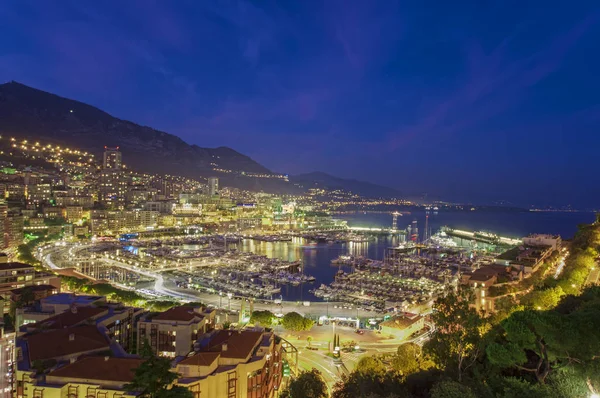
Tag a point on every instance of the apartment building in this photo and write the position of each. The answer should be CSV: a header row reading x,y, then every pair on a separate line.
x,y
173,332
233,364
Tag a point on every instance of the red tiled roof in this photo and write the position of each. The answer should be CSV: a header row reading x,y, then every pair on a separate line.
x,y
240,344
100,368
184,313
56,343
201,359
69,318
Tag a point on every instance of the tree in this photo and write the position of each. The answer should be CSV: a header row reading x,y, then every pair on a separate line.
x,y
371,377
264,318
544,299
153,378
539,342
457,341
296,322
407,358
308,384
451,389
370,365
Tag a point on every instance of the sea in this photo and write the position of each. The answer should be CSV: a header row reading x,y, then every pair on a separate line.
x,y
316,258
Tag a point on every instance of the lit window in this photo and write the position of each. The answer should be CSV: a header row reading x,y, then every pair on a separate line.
x,y
483,293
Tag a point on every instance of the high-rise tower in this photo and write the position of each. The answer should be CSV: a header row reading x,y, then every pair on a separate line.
x,y
112,159
213,186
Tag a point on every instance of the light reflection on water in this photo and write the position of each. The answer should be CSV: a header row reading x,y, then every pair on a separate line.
x,y
316,258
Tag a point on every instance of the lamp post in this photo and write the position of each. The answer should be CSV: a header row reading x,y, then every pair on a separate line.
x,y
220,299
229,295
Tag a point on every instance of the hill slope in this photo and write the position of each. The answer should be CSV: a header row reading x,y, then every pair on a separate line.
x,y
26,112
31,113
324,180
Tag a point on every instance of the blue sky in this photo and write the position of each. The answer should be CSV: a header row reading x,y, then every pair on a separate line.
x,y
467,100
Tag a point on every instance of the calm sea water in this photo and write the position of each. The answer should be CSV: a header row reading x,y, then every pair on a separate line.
x,y
317,258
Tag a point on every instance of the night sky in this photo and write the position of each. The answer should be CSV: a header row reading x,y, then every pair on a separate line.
x,y
471,100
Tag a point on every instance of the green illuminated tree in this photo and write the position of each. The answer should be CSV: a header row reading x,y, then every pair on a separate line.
x,y
407,359
264,318
458,340
296,322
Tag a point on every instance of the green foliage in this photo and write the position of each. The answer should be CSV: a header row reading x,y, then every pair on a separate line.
x,y
407,359
543,299
264,318
521,351
127,297
458,340
451,389
518,388
153,377
308,384
296,322
370,365
160,305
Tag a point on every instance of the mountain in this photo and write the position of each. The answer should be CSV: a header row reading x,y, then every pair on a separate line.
x,y
31,113
319,179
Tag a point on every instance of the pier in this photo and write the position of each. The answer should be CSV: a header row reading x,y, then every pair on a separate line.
x,y
484,237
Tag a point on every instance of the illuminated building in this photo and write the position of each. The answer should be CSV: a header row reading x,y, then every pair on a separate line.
x,y
7,355
17,275
113,188
213,186
112,159
231,363
13,230
39,193
73,213
173,332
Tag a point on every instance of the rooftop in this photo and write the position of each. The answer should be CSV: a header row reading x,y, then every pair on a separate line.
x,y
14,265
240,344
96,368
183,313
201,359
510,255
34,288
63,342
543,236
69,298
69,318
